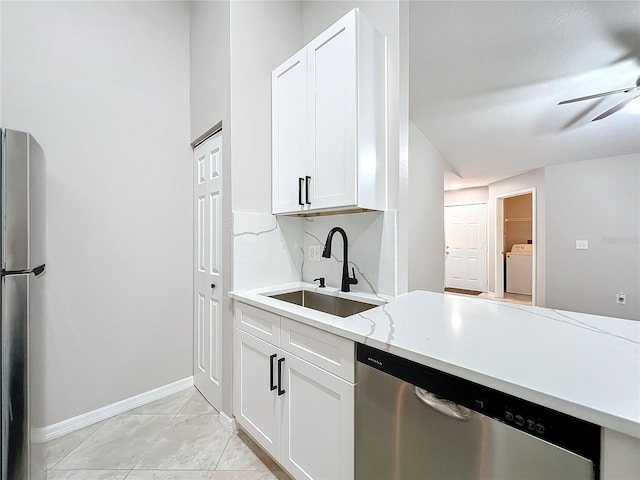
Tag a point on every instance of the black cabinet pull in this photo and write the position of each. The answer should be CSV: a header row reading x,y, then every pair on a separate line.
x,y
300,182
307,181
213,285
271,359
280,389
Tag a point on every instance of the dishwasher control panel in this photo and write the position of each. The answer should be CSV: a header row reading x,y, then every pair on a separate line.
x,y
573,434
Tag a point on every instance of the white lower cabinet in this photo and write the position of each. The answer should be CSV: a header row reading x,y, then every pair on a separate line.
x,y
316,437
299,413
257,408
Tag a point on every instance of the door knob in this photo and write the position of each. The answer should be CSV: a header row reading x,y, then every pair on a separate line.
x,y
213,285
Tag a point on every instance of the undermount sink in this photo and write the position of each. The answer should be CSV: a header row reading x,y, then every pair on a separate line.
x,y
341,307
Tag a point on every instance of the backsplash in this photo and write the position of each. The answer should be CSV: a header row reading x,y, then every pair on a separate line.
x,y
270,250
267,250
372,245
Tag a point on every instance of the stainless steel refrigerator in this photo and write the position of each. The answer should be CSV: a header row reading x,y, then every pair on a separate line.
x,y
22,226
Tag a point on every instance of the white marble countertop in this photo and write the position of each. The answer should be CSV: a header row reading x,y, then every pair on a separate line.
x,y
583,365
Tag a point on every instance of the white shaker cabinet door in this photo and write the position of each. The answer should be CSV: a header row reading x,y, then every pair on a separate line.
x,y
289,135
333,104
256,406
317,438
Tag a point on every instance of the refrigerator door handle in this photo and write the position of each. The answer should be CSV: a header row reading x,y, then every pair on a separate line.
x,y
39,270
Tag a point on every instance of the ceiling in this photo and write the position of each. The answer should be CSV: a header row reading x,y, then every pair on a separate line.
x,y
486,78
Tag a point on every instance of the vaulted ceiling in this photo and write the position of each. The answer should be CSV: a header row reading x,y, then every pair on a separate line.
x,y
486,78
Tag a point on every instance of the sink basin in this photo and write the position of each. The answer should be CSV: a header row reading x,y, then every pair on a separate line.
x,y
341,307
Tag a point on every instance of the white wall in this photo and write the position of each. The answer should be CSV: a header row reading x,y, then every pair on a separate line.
x,y
210,66
466,196
535,179
210,103
599,201
426,214
103,86
263,35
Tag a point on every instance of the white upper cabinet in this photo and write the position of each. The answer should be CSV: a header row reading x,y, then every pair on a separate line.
x,y
329,122
289,131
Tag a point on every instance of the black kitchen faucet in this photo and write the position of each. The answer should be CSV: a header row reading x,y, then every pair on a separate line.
x,y
346,280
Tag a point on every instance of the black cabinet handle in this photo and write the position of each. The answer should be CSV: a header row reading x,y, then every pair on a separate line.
x,y
280,389
271,359
213,285
307,181
300,182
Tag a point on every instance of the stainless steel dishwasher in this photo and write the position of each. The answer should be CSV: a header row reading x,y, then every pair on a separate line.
x,y
417,423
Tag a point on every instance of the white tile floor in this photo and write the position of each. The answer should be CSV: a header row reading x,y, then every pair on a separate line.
x,y
176,438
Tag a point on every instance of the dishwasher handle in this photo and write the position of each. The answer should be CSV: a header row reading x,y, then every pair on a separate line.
x,y
446,407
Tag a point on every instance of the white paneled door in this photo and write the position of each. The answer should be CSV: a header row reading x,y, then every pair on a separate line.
x,y
466,247
207,309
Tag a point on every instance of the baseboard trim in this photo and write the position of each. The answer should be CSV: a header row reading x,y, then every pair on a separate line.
x,y
64,427
228,422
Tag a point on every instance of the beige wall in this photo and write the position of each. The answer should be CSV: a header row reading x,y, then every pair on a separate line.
x,y
598,201
104,88
533,179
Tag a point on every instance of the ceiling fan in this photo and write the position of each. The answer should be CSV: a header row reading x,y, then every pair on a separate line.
x,y
614,109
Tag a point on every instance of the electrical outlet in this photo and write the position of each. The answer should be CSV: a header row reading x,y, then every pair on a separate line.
x,y
582,244
314,253
621,298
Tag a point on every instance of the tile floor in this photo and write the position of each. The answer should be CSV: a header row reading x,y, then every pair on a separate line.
x,y
175,438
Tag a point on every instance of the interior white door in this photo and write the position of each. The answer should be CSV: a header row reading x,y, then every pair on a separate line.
x,y
466,247
207,309
333,106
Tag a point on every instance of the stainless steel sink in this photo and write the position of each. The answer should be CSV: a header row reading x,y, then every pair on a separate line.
x,y
341,307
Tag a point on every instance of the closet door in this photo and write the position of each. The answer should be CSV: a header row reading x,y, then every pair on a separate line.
x,y
207,371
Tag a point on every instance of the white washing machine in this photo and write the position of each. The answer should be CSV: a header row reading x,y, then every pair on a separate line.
x,y
519,269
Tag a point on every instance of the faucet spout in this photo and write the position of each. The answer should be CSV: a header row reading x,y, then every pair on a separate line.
x,y
326,253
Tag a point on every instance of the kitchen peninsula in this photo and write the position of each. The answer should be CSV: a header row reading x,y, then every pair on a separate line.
x,y
586,366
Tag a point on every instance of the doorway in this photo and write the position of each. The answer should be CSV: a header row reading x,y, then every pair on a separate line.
x,y
466,247
516,246
207,168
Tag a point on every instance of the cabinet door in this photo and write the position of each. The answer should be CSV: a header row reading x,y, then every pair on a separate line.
x,y
333,108
317,438
257,408
289,134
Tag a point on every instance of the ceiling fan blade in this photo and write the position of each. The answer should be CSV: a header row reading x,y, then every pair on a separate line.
x,y
614,109
598,95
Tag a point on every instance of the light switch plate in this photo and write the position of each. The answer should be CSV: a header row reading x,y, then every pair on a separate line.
x,y
582,244
314,253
